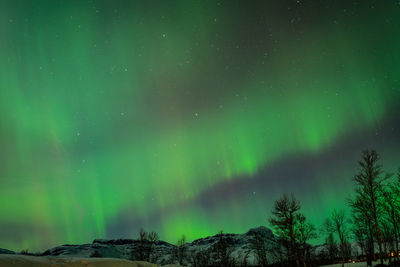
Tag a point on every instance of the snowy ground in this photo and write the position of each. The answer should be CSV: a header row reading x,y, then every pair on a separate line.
x,y
32,261
357,264
7,260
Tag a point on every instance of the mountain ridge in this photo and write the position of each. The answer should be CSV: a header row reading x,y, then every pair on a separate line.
x,y
164,252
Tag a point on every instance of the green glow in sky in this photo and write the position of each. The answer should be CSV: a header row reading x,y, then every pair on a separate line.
x,y
125,113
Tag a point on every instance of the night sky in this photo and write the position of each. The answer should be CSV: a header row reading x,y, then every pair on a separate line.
x,y
187,117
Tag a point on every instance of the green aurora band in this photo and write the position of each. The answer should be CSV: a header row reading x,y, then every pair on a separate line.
x,y
115,107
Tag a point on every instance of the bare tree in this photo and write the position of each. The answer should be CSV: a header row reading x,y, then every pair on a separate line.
x,y
223,251
144,246
305,231
387,238
331,247
181,250
362,219
336,224
369,185
391,206
360,235
283,221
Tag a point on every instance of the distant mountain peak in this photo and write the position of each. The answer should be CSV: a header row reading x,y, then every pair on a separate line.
x,y
264,231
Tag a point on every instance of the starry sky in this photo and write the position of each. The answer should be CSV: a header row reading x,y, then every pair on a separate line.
x,y
187,117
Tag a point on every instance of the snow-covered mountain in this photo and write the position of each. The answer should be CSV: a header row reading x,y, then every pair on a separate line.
x,y
164,253
6,251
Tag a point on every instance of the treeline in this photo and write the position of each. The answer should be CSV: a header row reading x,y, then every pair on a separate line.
x,y
368,231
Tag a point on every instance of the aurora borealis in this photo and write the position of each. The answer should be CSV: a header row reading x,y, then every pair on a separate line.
x,y
187,117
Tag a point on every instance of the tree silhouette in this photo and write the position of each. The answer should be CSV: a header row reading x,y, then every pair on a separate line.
x,y
336,224
331,247
223,251
283,221
304,232
292,229
144,246
392,207
363,220
368,200
180,250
